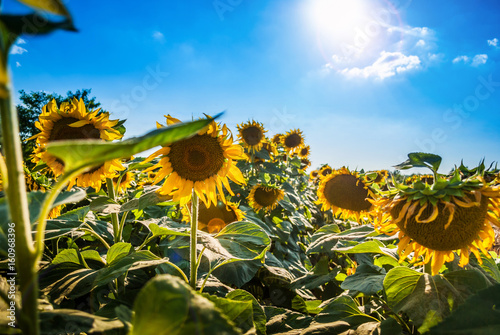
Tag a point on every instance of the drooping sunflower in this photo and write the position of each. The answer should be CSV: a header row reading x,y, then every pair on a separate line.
x,y
305,151
304,163
346,194
292,141
72,121
214,218
265,197
251,134
434,221
203,162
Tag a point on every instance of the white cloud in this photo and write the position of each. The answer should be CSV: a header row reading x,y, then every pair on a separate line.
x,y
413,31
420,43
18,64
387,65
474,61
459,59
17,50
493,42
158,35
479,60
20,41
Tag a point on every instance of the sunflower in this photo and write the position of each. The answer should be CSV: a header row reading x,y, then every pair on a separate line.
x,y
277,138
325,171
214,218
426,178
72,121
268,150
434,221
345,193
305,151
293,140
125,182
147,179
203,162
34,182
304,163
313,175
252,135
264,197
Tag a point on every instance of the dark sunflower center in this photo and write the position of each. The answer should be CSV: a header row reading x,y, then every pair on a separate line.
x,y
252,135
326,172
266,197
463,230
197,158
347,192
62,131
304,152
292,140
315,174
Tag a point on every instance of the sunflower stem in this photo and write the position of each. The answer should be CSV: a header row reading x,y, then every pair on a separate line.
x,y
15,190
47,206
114,216
428,268
193,239
122,224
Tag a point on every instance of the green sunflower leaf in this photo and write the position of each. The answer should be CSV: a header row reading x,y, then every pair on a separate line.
x,y
343,308
32,24
78,154
51,6
367,279
258,316
60,321
479,315
420,159
167,305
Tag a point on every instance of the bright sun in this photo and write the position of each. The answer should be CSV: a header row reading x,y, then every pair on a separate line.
x,y
337,19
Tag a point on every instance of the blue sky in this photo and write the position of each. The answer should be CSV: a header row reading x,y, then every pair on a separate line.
x,y
367,81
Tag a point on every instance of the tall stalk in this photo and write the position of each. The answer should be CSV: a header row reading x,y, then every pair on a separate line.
x,y
193,262
114,216
26,265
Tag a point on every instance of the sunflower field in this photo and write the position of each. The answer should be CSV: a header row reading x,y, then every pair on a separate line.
x,y
231,231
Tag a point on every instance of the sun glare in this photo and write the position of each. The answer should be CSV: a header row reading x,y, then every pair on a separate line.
x,y
337,19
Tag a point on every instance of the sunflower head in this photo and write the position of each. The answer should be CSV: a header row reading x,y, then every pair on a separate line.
x,y
125,182
304,152
212,219
251,134
292,141
268,152
434,221
324,171
345,193
426,179
277,138
69,121
204,162
304,163
313,175
265,197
